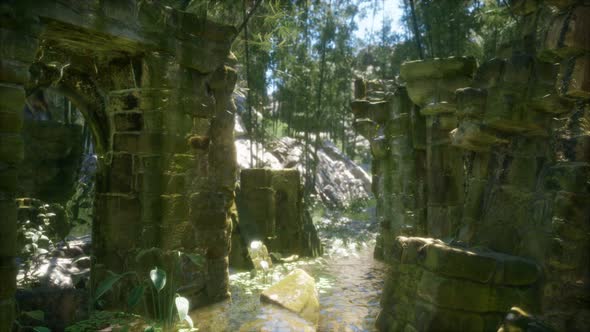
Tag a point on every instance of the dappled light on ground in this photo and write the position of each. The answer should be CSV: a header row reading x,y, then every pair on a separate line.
x,y
347,277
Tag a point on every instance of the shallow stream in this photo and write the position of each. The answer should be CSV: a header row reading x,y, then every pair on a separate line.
x,y
348,279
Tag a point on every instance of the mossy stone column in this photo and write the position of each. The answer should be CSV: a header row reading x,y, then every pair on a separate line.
x,y
256,205
371,111
211,201
169,175
431,84
17,49
398,154
407,201
271,209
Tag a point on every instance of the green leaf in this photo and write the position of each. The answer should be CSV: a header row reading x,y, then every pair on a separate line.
x,y
35,314
197,259
150,251
41,329
85,205
135,295
158,277
149,329
108,284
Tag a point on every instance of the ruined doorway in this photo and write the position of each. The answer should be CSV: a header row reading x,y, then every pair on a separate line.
x,y
55,206
150,81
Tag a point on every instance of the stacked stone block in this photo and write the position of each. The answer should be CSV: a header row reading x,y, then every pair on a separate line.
x,y
392,124
270,209
155,86
172,169
506,174
432,87
437,287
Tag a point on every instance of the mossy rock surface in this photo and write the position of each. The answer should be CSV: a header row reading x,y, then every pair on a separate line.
x,y
296,293
438,68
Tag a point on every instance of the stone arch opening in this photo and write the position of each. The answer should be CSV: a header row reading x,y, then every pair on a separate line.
x,y
56,139
150,81
83,80
54,202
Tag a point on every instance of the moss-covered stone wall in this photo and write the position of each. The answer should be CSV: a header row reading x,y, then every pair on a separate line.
x,y
270,209
154,84
487,162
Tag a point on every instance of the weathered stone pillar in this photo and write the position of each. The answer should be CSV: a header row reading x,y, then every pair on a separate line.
x,y
431,85
11,152
371,112
169,175
212,222
396,148
17,49
271,210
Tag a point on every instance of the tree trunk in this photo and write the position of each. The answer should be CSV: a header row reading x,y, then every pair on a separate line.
x,y
416,30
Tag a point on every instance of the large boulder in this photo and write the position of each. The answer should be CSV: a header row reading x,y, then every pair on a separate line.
x,y
296,293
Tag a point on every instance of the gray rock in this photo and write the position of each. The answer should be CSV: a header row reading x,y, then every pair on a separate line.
x,y
339,181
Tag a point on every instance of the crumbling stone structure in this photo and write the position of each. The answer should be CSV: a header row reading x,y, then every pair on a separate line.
x,y
481,175
154,84
270,209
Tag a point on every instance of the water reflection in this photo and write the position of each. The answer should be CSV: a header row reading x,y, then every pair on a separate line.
x,y
348,279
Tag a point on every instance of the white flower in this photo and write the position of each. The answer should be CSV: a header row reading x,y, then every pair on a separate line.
x,y
255,245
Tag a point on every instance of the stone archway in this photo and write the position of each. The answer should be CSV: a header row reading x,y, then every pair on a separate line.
x,y
155,85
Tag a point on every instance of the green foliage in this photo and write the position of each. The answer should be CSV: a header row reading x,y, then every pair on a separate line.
x,y
101,320
135,296
161,287
107,284
196,259
35,317
357,209
79,208
480,28
35,314
497,27
41,329
40,226
32,239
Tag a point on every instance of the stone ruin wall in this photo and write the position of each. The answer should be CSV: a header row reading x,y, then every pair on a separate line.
x,y
271,209
481,175
155,86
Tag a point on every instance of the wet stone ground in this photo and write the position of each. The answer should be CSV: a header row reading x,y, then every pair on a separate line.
x,y
348,279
